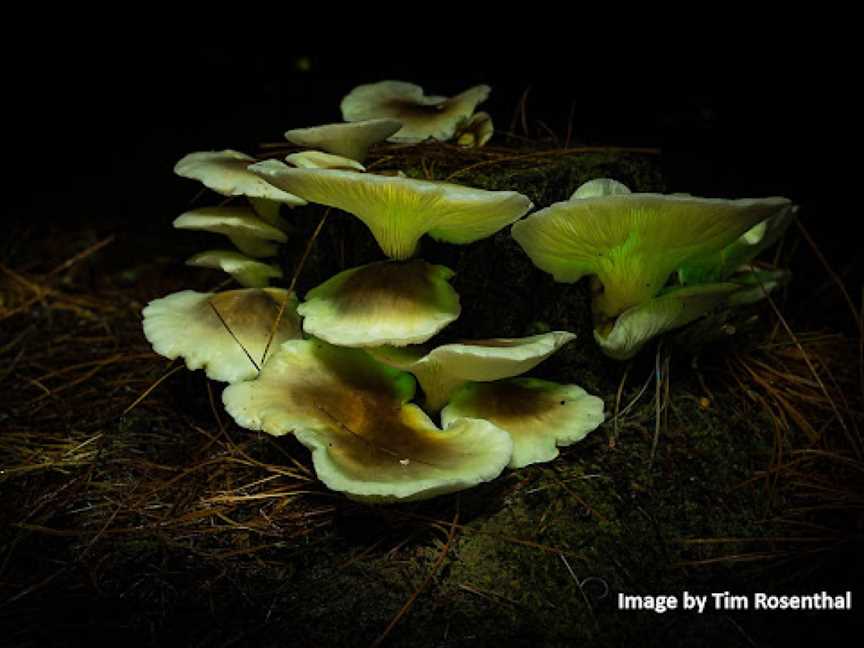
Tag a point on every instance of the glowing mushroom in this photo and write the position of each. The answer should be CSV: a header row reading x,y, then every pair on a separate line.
x,y
366,441
247,272
350,140
446,368
633,242
226,173
223,333
673,309
538,415
394,303
246,230
398,210
422,117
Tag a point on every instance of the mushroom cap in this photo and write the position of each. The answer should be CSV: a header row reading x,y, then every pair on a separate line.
x,y
185,324
477,131
319,160
422,117
225,172
366,441
673,309
246,230
633,242
600,187
721,265
537,414
388,302
350,140
449,366
399,210
247,272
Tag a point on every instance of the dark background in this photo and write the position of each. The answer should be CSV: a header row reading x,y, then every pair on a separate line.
x,y
93,129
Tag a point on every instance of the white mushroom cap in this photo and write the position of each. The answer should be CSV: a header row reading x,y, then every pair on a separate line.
x,y
398,210
477,131
248,272
421,116
246,230
446,368
390,302
600,187
319,160
225,172
538,415
185,324
347,140
675,308
366,441
633,242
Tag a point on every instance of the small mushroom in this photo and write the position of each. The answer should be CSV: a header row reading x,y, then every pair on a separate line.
x,y
633,242
600,187
366,440
398,210
446,368
319,160
347,140
247,231
225,172
673,309
247,272
476,132
538,415
211,330
422,117
390,302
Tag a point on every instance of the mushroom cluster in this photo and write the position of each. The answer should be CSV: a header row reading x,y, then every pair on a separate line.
x,y
657,261
339,370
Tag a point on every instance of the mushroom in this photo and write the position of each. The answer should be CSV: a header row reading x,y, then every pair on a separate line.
x,y
398,210
224,333
246,230
446,368
723,264
387,302
247,272
633,242
319,160
476,132
600,187
366,440
225,172
422,117
347,140
673,309
537,414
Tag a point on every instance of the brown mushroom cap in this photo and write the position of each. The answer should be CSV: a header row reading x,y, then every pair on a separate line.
x,y
366,440
422,117
211,330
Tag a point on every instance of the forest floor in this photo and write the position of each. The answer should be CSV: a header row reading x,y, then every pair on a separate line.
x,y
133,508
